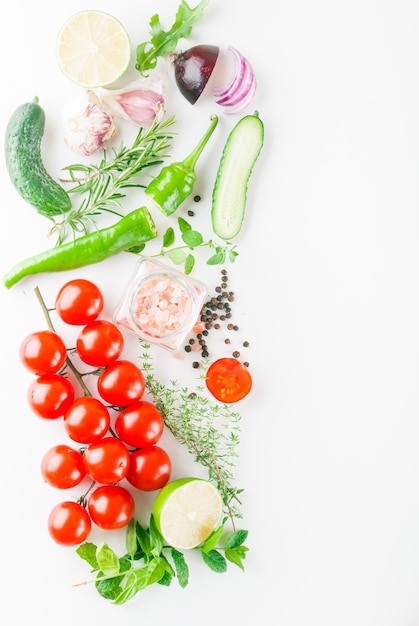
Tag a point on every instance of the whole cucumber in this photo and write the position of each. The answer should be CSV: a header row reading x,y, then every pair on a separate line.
x,y
26,169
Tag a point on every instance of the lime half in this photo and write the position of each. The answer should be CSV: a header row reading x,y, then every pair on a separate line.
x,y
93,49
186,511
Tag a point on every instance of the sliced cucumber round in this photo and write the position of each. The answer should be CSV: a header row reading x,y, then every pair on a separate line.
x,y
229,196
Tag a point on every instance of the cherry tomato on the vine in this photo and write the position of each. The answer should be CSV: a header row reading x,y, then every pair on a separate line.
x,y
100,343
228,380
107,461
79,302
87,420
140,424
121,384
63,467
149,469
43,352
69,523
111,506
50,395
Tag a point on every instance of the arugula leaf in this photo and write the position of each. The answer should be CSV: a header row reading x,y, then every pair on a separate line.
x,y
163,42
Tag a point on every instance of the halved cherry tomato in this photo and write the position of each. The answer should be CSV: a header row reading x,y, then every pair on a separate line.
x,y
121,384
50,395
111,506
63,467
69,523
87,420
100,343
43,352
107,461
79,302
140,424
149,469
228,380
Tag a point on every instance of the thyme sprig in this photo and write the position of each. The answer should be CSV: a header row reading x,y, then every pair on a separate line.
x,y
102,184
209,431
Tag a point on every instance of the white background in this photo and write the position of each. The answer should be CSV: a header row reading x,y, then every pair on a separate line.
x,y
327,294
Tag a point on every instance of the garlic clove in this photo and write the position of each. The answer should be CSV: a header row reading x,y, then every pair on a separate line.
x,y
141,101
87,126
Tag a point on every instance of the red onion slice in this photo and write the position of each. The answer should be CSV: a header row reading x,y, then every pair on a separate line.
x,y
239,92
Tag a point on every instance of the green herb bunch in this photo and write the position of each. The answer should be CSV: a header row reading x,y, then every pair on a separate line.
x,y
148,560
102,185
209,431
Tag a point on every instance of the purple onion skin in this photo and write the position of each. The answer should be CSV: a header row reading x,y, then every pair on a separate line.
x,y
193,69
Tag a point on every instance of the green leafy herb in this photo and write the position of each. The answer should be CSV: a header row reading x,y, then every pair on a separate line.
x,y
148,560
210,431
192,239
164,42
102,184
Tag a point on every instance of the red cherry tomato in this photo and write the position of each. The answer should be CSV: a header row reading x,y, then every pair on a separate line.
x,y
107,461
79,302
69,523
50,395
228,380
100,343
63,467
121,384
43,352
140,424
111,506
149,469
87,420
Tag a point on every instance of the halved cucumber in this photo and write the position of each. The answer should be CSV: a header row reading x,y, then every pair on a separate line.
x,y
229,196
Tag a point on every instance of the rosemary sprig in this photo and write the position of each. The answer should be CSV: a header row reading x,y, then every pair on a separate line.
x,y
102,184
209,431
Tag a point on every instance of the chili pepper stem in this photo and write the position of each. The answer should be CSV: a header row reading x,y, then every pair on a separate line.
x,y
193,157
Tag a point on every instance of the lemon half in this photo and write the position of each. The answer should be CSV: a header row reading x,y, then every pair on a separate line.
x,y
93,49
186,511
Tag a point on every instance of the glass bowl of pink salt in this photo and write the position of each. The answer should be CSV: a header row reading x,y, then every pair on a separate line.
x,y
161,305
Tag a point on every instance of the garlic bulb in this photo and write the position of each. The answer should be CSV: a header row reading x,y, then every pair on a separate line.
x,y
141,101
87,126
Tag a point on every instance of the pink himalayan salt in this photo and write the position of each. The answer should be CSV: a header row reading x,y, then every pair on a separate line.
x,y
162,305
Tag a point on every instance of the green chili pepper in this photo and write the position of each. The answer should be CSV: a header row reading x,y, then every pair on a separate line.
x,y
132,229
175,182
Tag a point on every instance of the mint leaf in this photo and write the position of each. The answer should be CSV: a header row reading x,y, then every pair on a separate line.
x,y
236,539
131,538
212,540
234,556
87,551
215,561
109,588
156,540
143,539
107,560
182,570
164,42
140,578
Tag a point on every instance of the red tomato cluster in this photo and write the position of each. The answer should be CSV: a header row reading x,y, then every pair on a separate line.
x,y
118,431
